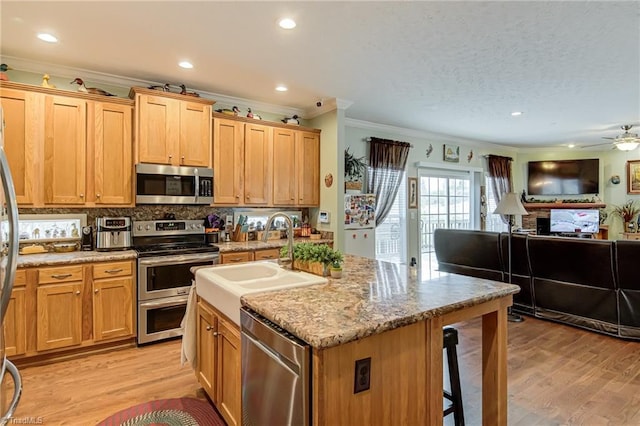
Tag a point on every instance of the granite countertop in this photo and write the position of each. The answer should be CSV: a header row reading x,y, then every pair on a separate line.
x,y
370,298
261,245
51,259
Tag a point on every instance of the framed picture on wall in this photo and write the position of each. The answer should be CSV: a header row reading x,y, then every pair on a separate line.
x,y
451,153
413,192
633,177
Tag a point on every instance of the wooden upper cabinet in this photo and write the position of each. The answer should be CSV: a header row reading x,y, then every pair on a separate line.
x,y
308,162
228,161
65,142
113,164
195,134
172,129
284,167
257,164
158,124
22,113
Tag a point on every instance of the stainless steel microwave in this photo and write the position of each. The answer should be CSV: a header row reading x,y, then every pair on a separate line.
x,y
161,184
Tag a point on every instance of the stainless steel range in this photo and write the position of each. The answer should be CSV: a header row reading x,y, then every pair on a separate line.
x,y
167,250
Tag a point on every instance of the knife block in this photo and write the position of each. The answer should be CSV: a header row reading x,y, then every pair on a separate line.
x,y
237,235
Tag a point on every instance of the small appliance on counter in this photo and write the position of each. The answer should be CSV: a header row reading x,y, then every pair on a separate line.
x,y
113,233
87,239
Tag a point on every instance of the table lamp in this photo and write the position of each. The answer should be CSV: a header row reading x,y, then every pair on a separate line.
x,y
510,205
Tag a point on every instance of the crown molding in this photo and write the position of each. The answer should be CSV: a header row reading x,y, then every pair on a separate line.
x,y
58,70
351,122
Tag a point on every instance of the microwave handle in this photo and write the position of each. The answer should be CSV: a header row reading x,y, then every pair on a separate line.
x,y
197,187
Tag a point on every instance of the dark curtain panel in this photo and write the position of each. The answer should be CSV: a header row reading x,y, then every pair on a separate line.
x,y
500,174
387,160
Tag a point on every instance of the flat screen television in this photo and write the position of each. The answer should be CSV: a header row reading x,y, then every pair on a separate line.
x,y
584,221
563,177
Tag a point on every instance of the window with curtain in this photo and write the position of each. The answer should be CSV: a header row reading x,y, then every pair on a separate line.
x,y
387,161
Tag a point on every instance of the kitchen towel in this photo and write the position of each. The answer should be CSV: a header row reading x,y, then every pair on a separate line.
x,y
189,333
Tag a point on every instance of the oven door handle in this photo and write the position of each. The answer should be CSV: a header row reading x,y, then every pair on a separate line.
x,y
172,260
173,301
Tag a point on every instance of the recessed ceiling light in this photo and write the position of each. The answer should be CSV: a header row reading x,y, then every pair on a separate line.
x,y
516,113
186,64
47,37
287,24
571,145
281,88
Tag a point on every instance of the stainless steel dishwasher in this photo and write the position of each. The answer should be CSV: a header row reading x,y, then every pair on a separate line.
x,y
276,374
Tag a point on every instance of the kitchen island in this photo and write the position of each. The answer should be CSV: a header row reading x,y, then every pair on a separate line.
x,y
378,311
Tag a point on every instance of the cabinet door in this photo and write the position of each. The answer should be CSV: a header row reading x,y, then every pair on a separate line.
x,y
195,134
15,324
257,164
112,308
228,161
284,167
64,150
113,159
22,116
229,398
158,124
308,154
207,349
59,321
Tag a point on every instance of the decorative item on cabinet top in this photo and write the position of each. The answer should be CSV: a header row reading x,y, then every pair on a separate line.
x,y
92,90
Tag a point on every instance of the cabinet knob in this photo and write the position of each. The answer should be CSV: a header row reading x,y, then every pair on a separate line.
x,y
237,196
81,195
77,292
209,328
182,159
216,334
96,291
97,195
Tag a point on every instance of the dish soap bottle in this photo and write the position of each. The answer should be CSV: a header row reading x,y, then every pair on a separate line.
x,y
413,267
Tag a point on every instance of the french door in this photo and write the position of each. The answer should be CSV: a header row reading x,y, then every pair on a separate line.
x,y
445,201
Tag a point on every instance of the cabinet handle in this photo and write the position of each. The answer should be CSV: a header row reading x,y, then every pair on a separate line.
x,y
81,195
216,334
182,159
97,195
96,291
170,157
209,328
77,292
113,271
267,257
60,276
237,259
237,196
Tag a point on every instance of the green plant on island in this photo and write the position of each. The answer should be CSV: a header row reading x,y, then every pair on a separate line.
x,y
309,252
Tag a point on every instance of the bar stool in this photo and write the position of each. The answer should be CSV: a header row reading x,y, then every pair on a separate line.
x,y
450,340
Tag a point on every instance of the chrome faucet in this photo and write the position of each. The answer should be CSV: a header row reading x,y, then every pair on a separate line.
x,y
267,227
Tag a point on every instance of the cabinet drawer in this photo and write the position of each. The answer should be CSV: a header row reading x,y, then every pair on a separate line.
x,y
240,256
21,278
60,274
112,269
267,254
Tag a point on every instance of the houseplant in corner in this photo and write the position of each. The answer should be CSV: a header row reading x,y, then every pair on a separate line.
x,y
354,168
627,212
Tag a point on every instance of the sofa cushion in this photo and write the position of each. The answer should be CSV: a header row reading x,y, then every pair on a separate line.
x,y
468,252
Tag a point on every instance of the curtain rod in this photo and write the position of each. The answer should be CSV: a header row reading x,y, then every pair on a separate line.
x,y
500,156
369,140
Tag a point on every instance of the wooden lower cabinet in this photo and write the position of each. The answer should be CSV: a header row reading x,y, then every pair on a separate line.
x,y
218,361
266,254
71,307
236,257
15,320
113,292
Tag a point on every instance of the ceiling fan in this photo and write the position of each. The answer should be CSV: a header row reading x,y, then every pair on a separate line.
x,y
624,142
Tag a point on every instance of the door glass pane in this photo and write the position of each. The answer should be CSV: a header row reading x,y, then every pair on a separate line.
x,y
391,235
444,202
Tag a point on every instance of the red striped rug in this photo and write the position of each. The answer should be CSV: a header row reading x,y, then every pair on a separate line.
x,y
170,412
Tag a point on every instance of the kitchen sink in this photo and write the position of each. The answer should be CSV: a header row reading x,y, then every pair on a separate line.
x,y
222,286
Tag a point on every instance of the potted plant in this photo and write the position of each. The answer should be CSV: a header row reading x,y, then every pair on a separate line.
x,y
314,258
627,213
354,168
336,269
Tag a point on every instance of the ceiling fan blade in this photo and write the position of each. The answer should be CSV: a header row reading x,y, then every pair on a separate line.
x,y
608,138
598,144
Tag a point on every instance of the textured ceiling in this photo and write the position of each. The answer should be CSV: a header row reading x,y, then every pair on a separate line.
x,y
455,68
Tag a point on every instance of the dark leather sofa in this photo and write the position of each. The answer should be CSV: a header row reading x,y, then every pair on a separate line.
x,y
591,284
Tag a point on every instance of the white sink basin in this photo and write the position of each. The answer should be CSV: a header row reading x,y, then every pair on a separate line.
x,y
222,286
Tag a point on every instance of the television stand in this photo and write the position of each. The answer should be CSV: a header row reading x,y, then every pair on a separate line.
x,y
575,234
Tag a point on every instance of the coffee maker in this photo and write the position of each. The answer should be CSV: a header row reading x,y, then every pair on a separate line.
x,y
87,238
113,233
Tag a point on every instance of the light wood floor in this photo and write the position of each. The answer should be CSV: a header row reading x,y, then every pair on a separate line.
x,y
558,375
